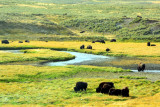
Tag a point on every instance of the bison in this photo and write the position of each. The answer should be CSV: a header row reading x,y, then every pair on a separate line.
x,y
82,47
100,41
98,89
141,67
20,42
5,42
148,44
153,44
107,50
27,41
125,92
80,86
105,89
89,47
82,31
116,92
113,40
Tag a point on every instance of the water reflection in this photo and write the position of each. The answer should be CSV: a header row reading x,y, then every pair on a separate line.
x,y
80,59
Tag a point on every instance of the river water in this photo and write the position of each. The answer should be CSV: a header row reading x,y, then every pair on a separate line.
x,y
95,60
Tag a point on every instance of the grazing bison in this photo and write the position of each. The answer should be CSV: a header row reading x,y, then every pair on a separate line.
x,y
148,44
107,50
113,40
20,41
105,89
5,42
141,67
115,92
82,47
153,44
125,92
80,86
98,89
27,41
82,31
100,41
93,41
89,47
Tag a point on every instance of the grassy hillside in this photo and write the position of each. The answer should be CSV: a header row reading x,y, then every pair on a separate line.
x,y
63,20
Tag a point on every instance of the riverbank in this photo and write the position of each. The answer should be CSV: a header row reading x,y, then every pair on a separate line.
x,y
129,53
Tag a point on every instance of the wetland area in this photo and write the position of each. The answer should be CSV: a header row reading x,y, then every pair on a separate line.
x,y
151,72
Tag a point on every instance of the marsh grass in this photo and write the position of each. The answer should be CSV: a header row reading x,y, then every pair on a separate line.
x,y
34,55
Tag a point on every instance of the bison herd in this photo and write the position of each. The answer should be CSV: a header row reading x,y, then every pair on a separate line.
x,y
104,88
7,42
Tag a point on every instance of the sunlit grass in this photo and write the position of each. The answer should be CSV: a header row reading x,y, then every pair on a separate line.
x,y
50,86
117,48
34,55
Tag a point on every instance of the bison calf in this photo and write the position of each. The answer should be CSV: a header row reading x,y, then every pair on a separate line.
x,y
80,86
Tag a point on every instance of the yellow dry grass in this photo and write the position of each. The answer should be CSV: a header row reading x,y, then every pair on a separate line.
x,y
153,101
117,48
156,2
32,6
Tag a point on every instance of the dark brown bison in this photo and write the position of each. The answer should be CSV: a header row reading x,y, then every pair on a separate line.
x,y
107,50
20,42
27,41
98,89
5,42
141,67
116,92
105,89
89,47
82,47
80,86
125,92
93,41
153,44
100,41
82,31
148,44
113,40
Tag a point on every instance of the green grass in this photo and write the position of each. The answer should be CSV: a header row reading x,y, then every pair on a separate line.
x,y
54,86
133,77
43,20
34,55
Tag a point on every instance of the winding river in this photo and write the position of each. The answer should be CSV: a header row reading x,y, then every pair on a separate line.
x,y
95,60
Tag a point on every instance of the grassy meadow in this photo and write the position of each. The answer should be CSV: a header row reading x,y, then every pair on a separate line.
x,y
129,49
52,25
26,85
